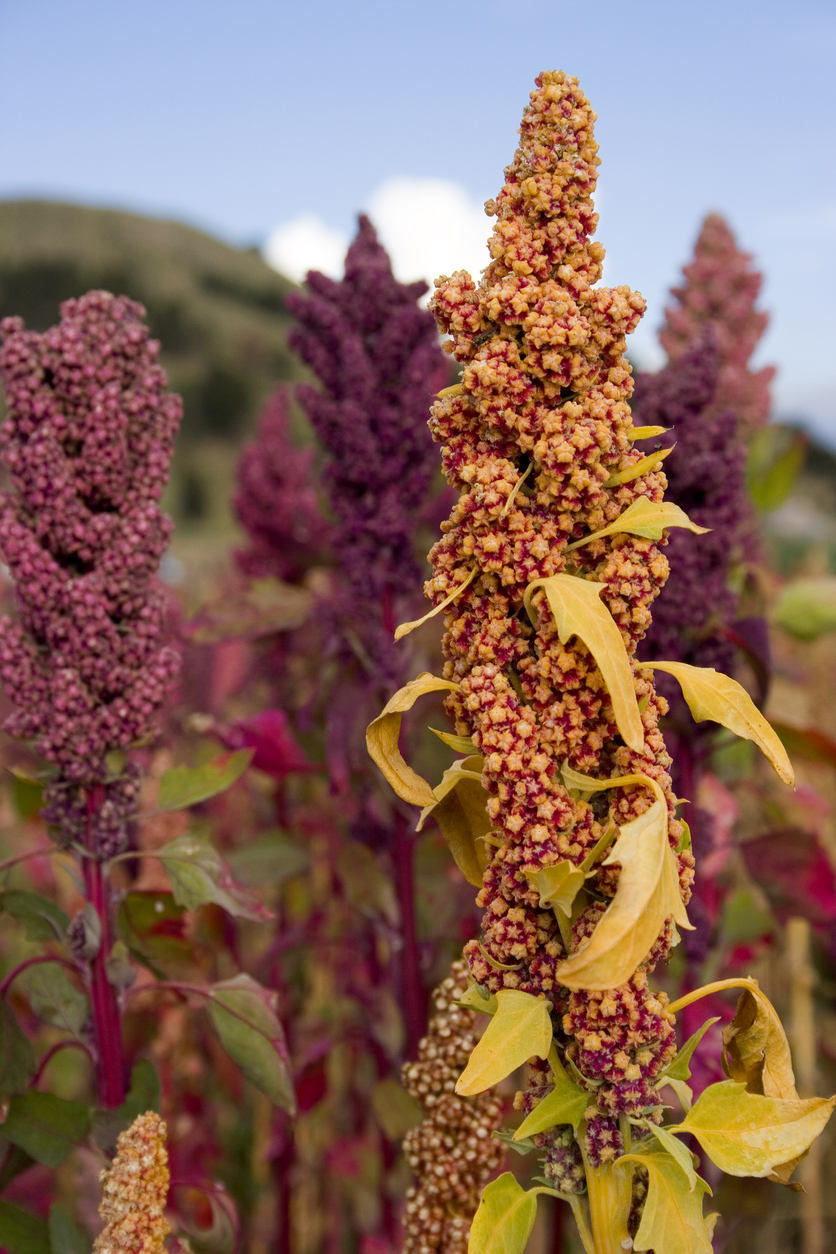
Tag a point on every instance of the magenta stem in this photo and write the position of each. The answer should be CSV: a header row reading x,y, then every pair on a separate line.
x,y
31,962
50,1054
107,1024
412,990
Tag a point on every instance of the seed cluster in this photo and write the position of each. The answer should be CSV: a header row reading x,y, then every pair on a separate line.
x,y
451,1152
134,1191
537,442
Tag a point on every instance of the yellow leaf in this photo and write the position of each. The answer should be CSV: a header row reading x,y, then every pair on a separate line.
x,y
712,695
757,1049
746,1134
558,885
672,1220
646,433
520,1029
472,999
682,1090
647,894
644,518
513,494
459,810
588,784
579,611
406,628
459,744
382,740
456,389
503,1222
566,1103
644,467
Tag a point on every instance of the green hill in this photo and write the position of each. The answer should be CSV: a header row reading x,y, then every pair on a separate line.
x,y
217,311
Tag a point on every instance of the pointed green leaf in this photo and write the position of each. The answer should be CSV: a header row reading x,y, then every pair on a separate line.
x,y
525,1146
46,1126
503,1222
185,786
679,1069
65,1237
54,998
566,1103
272,859
520,1029
382,739
395,1109
746,1134
21,1232
42,920
672,1219
199,875
579,611
711,695
17,1058
244,1019
644,518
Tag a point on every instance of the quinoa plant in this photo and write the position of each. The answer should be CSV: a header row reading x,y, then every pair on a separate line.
x,y
562,811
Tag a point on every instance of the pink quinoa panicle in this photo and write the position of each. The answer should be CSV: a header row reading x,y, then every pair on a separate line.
x,y
87,442
545,390
134,1191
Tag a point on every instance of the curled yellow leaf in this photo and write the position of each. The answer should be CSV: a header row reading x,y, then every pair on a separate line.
x,y
712,695
644,518
459,810
579,611
756,1046
459,744
406,628
647,895
520,1029
513,494
646,433
382,739
558,885
644,467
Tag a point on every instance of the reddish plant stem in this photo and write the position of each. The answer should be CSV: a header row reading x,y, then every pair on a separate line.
x,y
411,986
107,1025
50,1054
31,962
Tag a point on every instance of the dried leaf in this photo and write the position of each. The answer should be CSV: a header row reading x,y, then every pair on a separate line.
x,y
647,894
460,811
406,628
672,1220
382,739
643,467
712,695
756,1046
520,1029
746,1134
503,1222
566,1103
579,611
644,518
185,786
680,1069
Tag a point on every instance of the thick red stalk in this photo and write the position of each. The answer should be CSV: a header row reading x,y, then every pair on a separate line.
x,y
107,1025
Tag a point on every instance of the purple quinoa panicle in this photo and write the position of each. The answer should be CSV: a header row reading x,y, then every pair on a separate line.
x,y
275,500
87,442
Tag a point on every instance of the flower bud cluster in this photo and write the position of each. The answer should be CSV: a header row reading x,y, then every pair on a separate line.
x,y
87,443
134,1191
452,1152
532,441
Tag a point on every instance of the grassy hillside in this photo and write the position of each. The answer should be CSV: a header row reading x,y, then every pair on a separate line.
x,y
218,312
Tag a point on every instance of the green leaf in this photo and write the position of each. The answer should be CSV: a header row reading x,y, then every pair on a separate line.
x,y
680,1069
46,1126
244,1019
672,1220
143,1095
15,1162
185,786
28,796
367,887
272,859
199,875
152,925
524,1146
503,1222
22,1233
17,1058
711,695
520,1029
579,611
745,918
219,1237
460,810
566,1103
65,1237
776,455
54,998
382,739
459,744
42,920
746,1134
807,607
395,1110
644,518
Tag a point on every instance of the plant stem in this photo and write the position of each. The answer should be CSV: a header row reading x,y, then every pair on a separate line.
x,y
412,990
717,987
609,1207
107,1025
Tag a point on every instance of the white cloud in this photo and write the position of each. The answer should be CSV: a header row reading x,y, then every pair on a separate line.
x,y
428,226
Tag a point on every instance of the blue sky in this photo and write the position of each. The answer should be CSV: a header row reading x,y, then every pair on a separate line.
x,y
243,115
